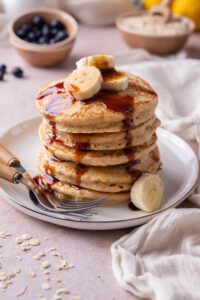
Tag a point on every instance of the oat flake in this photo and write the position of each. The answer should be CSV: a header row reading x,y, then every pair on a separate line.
x,y
3,276
25,236
46,286
38,256
45,265
62,291
30,273
25,246
34,242
23,290
4,234
18,240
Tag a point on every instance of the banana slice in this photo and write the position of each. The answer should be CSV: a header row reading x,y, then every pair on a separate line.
x,y
84,83
115,81
147,192
101,62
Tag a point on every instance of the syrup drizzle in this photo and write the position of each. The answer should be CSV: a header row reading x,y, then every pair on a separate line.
x,y
50,90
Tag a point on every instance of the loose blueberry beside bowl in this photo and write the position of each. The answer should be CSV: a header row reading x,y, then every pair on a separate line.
x,y
3,68
39,31
17,72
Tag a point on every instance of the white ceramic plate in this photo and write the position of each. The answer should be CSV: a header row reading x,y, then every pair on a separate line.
x,y
179,174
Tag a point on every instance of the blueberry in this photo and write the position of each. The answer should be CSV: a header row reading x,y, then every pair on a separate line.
x,y
52,41
54,32
3,68
26,28
23,31
43,40
31,37
57,24
1,75
37,33
46,31
61,35
38,21
17,72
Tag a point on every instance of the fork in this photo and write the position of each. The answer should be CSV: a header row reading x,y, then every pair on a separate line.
x,y
12,171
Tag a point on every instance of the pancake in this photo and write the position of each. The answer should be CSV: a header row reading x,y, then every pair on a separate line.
x,y
99,158
103,141
64,191
107,111
103,179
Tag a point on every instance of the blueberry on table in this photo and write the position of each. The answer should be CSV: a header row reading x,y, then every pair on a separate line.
x,y
57,24
38,21
3,68
17,72
1,75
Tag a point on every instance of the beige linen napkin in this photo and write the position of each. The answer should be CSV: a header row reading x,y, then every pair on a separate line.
x,y
161,260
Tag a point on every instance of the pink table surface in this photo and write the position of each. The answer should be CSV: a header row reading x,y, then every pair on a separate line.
x,y
91,277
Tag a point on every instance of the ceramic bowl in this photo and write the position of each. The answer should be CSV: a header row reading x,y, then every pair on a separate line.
x,y
44,55
156,44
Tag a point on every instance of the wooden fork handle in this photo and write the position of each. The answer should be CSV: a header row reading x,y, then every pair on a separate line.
x,y
8,158
9,174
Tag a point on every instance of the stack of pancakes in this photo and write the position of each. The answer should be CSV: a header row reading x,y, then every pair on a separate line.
x,y
97,147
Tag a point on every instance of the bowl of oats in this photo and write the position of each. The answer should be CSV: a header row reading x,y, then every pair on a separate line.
x,y
153,33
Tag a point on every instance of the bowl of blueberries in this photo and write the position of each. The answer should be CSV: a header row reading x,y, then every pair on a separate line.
x,y
43,37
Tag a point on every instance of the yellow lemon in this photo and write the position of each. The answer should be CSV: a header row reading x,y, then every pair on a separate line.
x,y
188,8
149,3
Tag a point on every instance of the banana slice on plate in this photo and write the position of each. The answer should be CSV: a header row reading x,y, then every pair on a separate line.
x,y
84,83
101,62
147,192
115,81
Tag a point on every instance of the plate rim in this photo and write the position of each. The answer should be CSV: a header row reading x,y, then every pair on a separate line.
x,y
149,215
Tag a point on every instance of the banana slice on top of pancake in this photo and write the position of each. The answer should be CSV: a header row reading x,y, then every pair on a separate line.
x,y
115,81
84,83
102,62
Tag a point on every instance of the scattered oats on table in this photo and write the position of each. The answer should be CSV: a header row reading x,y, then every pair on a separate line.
x,y
4,234
25,246
45,264
22,291
30,273
26,236
75,298
39,255
46,286
34,242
